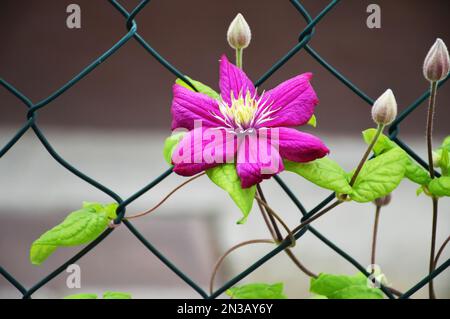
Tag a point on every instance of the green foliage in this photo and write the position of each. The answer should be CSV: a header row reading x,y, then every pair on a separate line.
x,y
225,176
323,172
414,171
202,88
312,121
344,287
106,295
257,291
79,227
380,176
116,295
440,186
171,144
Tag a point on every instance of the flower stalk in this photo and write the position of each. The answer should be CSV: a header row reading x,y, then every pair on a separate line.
x,y
435,68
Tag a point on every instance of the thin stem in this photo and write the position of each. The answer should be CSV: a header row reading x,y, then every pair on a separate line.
x,y
239,53
316,216
275,215
374,237
440,251
229,251
431,105
276,234
165,198
271,224
380,129
433,247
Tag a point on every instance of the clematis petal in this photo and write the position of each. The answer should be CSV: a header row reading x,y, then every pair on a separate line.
x,y
233,81
298,146
257,160
203,148
292,101
189,106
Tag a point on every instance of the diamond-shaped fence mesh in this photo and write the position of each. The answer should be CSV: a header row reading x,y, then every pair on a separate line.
x,y
305,36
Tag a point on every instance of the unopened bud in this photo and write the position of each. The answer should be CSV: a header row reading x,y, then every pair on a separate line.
x,y
436,65
384,109
239,34
383,201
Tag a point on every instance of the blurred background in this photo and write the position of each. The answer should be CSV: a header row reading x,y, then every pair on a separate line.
x,y
112,126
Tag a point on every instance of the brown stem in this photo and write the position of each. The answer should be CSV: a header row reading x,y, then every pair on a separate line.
x,y
265,215
374,236
165,198
316,216
275,215
272,220
366,154
277,236
229,251
431,104
433,246
440,251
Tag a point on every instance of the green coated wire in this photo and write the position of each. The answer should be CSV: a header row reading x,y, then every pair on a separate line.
x,y
131,26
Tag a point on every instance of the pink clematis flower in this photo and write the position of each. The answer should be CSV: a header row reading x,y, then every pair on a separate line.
x,y
231,128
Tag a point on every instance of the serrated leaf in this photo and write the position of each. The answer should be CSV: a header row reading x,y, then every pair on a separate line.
x,y
79,227
414,171
440,186
225,176
171,144
323,172
380,176
82,296
202,88
344,287
312,121
116,295
257,291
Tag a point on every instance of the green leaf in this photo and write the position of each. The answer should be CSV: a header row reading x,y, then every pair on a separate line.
x,y
323,172
440,186
446,143
312,121
380,176
202,88
383,143
79,227
225,176
170,145
81,296
257,291
414,171
116,295
344,287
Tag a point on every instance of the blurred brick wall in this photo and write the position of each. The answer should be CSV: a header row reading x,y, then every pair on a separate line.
x,y
132,91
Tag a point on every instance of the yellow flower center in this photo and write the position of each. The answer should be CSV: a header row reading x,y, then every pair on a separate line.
x,y
245,112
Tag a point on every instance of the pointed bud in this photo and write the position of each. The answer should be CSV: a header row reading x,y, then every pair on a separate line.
x,y
383,201
436,65
384,109
239,34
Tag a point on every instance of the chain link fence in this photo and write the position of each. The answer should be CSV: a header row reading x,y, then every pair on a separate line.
x,y
31,123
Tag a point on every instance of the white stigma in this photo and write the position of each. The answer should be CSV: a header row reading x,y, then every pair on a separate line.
x,y
245,112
